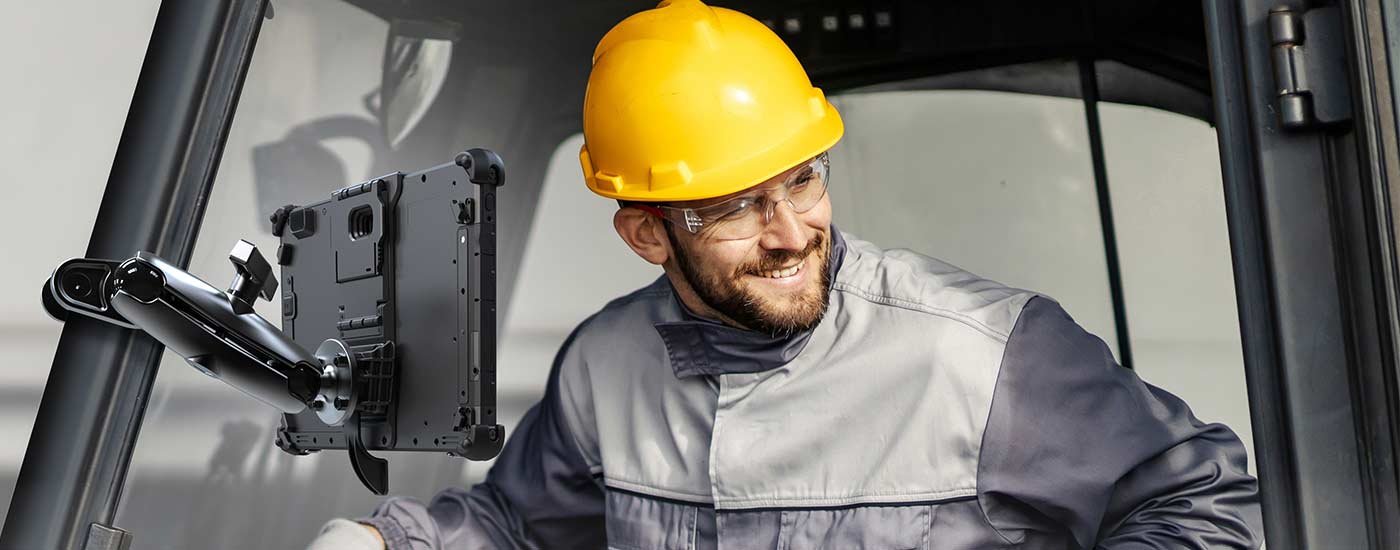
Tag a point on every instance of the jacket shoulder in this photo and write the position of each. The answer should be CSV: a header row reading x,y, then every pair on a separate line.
x,y
910,280
640,308
625,324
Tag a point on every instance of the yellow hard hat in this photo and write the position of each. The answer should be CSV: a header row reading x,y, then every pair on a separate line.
x,y
690,102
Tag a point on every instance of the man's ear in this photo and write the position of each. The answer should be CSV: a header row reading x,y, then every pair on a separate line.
x,y
644,233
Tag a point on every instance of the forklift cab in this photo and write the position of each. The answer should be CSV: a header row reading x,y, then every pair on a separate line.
x,y
1203,185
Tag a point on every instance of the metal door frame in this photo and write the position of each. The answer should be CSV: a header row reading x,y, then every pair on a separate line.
x,y
1313,255
80,448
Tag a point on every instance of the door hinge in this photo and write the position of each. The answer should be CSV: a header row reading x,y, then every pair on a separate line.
x,y
103,537
1309,62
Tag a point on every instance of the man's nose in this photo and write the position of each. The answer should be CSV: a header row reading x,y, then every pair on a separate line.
x,y
785,230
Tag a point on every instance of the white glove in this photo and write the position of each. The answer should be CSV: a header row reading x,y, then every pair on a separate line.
x,y
343,534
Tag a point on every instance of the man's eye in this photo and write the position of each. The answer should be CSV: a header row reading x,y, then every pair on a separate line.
x,y
803,179
736,211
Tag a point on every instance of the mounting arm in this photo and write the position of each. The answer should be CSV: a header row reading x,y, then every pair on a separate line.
x,y
218,333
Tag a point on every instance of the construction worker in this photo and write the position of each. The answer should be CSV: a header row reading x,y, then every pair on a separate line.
x,y
785,385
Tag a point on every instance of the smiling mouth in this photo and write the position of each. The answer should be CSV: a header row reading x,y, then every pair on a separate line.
x,y
782,273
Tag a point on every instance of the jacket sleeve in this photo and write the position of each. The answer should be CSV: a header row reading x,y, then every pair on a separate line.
x,y
540,493
1078,445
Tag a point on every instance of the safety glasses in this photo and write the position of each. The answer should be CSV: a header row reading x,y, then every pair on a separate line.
x,y
744,216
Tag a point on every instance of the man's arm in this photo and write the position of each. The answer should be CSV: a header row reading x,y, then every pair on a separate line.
x,y
539,494
1079,445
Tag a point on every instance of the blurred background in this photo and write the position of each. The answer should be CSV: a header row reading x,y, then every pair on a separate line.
x,y
998,182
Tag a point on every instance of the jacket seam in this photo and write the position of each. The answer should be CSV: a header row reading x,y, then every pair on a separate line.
x,y
974,324
635,297
936,502
645,292
567,413
977,476
928,526
570,423
878,498
694,521
658,492
866,498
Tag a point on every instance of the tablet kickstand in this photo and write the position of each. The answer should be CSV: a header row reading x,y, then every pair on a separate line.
x,y
372,471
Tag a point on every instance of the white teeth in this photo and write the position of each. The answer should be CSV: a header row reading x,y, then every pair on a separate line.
x,y
781,273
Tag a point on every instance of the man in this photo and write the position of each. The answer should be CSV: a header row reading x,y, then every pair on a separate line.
x,y
784,385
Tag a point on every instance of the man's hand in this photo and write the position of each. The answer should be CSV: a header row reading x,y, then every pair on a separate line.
x,y
379,537
343,534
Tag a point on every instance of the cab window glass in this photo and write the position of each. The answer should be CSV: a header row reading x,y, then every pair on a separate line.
x,y
1001,184
1390,11
64,108
1174,253
205,472
574,264
317,113
997,183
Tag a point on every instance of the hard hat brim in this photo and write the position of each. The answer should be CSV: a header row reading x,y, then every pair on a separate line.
x,y
736,176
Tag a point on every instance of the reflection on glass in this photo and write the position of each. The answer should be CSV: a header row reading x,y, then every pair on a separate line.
x,y
318,113
414,74
67,113
205,473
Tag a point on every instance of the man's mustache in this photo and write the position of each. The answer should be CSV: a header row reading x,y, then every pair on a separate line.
x,y
778,259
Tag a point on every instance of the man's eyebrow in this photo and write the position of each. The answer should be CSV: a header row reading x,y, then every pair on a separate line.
x,y
780,178
726,198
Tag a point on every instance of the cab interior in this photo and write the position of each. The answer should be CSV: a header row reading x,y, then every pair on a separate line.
x,y
1069,147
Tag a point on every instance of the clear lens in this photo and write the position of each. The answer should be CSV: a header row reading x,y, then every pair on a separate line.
x,y
743,217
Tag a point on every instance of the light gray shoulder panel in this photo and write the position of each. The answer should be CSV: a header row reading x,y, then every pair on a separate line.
x,y
907,279
886,403
640,426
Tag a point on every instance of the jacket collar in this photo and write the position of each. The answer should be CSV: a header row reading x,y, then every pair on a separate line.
x,y
696,345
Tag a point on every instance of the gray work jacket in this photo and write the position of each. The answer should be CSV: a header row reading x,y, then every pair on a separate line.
x,y
929,409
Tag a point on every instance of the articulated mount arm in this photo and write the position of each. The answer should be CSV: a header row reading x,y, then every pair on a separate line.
x,y
218,333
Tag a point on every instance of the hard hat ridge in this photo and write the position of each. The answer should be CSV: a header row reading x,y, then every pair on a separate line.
x,y
703,27
687,102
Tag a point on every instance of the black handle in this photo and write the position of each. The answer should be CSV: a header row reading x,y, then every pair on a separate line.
x,y
252,278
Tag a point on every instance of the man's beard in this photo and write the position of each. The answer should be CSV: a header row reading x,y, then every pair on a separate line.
x,y
725,295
